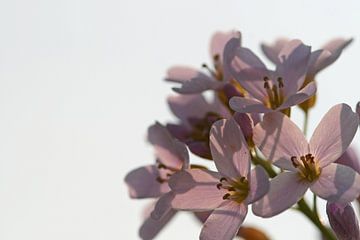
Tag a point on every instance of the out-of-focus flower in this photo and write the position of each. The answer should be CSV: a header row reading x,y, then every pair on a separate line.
x,y
195,81
343,221
267,90
228,192
319,60
196,116
308,165
350,158
152,181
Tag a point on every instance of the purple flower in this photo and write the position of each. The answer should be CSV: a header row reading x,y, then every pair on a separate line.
x,y
151,181
267,90
307,165
343,221
195,81
227,192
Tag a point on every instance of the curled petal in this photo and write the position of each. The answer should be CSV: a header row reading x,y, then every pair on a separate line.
x,y
337,183
224,222
285,190
279,139
334,134
229,148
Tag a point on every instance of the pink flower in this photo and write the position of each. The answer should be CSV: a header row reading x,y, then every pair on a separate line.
x,y
307,165
343,221
267,90
195,81
350,158
227,192
196,116
151,181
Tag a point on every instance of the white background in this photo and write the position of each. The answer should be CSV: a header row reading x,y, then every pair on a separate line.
x,y
80,81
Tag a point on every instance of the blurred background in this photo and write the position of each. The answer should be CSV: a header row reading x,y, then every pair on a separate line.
x,y
80,81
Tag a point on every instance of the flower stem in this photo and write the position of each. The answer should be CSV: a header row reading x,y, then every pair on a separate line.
x,y
265,164
306,210
306,121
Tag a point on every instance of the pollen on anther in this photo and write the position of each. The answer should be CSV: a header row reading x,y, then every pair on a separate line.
x,y
218,186
226,196
223,179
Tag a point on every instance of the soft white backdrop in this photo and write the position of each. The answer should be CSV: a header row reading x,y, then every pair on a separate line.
x,y
80,81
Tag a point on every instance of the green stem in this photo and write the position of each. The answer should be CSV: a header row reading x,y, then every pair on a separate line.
x,y
306,210
315,210
306,121
265,164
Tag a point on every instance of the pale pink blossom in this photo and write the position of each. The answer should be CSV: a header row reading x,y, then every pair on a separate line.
x,y
193,81
151,181
227,192
343,221
307,164
268,90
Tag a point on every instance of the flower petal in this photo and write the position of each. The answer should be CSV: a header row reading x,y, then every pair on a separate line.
x,y
350,158
279,139
294,58
302,95
162,206
248,105
219,40
196,190
198,85
181,74
285,190
224,222
259,184
272,51
337,183
229,149
168,150
150,228
142,183
334,134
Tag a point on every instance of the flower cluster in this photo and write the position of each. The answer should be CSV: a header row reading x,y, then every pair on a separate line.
x,y
262,158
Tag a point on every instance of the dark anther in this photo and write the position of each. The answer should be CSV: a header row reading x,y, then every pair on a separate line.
x,y
162,166
231,189
266,85
216,57
242,179
293,160
280,82
223,179
219,185
204,65
226,196
266,78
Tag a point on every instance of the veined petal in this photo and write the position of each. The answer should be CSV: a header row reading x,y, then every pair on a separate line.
x,y
196,190
150,228
302,95
337,183
272,51
142,183
294,58
224,222
334,134
285,190
229,149
168,150
279,139
248,105
259,184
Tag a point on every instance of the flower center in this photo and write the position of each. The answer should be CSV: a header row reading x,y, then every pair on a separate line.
x,y
275,92
238,189
307,166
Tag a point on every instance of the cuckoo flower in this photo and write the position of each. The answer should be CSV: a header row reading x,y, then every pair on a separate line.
x,y
307,165
151,181
227,192
343,221
196,116
319,60
195,81
267,90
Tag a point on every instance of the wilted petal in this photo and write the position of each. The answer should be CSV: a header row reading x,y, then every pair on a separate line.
x,y
224,222
168,150
150,228
259,184
302,95
343,221
229,149
248,105
337,183
279,139
334,134
350,158
196,190
219,40
142,183
285,190
294,58
272,51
